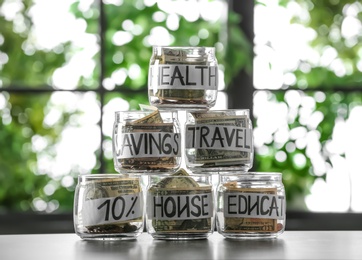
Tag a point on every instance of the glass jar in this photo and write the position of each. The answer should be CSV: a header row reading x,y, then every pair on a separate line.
x,y
219,140
183,77
180,206
251,205
146,141
108,207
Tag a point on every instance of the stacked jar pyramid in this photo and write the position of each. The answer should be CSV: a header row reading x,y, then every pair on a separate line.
x,y
166,168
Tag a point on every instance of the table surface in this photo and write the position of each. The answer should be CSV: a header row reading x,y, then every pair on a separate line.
x,y
290,245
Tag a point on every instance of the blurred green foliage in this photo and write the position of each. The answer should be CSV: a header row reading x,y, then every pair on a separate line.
x,y
27,181
22,55
22,115
326,19
22,184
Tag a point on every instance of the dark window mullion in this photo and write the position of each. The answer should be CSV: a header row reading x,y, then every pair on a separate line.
x,y
102,31
240,91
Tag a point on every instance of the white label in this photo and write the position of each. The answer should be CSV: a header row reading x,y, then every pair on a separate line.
x,y
218,137
183,76
112,210
148,144
173,207
254,205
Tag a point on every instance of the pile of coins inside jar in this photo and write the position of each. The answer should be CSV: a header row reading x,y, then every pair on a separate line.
x,y
166,169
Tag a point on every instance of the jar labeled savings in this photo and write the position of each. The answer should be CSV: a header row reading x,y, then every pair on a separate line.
x,y
183,77
108,207
146,141
180,206
219,140
251,205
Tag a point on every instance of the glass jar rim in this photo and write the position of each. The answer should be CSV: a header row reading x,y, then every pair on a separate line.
x,y
192,175
183,47
135,112
218,110
187,51
144,111
118,114
99,176
253,176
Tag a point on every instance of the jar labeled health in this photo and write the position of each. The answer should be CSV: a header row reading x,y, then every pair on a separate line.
x,y
219,140
251,205
183,77
180,206
146,141
108,207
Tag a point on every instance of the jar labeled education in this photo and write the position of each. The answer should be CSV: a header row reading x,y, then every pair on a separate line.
x,y
146,141
108,207
219,140
183,77
180,206
251,205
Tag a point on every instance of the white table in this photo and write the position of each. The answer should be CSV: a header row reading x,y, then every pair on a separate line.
x,y
290,245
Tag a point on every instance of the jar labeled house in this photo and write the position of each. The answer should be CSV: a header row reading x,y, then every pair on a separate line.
x,y
251,205
108,207
146,141
180,206
219,140
183,77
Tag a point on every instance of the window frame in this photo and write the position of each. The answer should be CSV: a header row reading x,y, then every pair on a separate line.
x,y
240,95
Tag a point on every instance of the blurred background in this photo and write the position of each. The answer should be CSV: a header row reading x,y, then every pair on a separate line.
x,y
67,65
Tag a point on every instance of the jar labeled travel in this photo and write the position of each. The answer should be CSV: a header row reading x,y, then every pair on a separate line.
x,y
108,207
180,206
146,141
251,205
183,77
219,140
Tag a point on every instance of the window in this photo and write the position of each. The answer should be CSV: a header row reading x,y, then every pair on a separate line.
x,y
308,100
67,66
